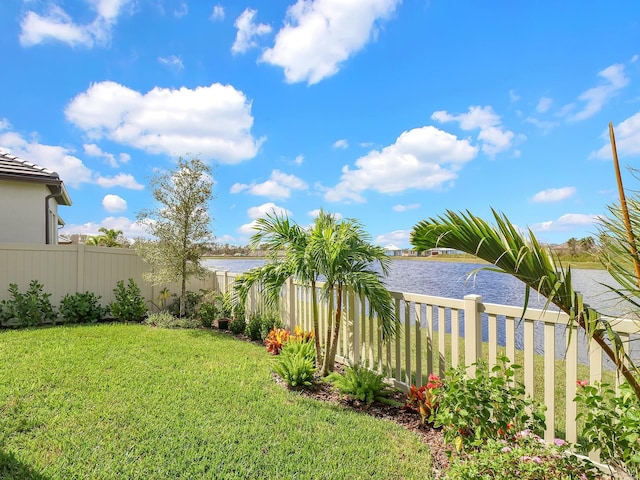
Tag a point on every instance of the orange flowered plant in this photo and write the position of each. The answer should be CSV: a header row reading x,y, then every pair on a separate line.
x,y
423,400
302,336
275,340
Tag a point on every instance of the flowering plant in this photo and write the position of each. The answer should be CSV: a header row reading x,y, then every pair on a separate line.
x,y
423,400
275,340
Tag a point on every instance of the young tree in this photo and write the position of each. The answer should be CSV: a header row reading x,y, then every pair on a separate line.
x,y
337,250
179,225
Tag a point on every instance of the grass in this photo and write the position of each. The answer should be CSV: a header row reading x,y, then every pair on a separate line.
x,y
129,401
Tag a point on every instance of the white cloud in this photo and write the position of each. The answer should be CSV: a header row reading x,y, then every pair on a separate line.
x,y
182,10
396,237
627,135
614,79
553,195
566,222
298,160
404,208
124,180
217,13
214,121
56,24
124,157
278,186
316,212
544,125
130,228
94,150
114,203
544,104
513,96
70,168
423,158
174,62
248,31
319,35
342,143
56,158
259,212
493,136
4,124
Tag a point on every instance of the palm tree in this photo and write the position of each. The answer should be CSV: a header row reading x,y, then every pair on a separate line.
x,y
110,237
338,251
540,269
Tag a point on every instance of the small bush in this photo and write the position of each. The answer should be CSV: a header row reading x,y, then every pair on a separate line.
x,y
612,425
254,328
237,326
362,384
191,305
295,364
275,340
166,320
424,400
129,306
488,406
27,309
269,321
82,307
523,456
207,313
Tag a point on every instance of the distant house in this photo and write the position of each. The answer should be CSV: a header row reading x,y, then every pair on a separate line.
x,y
30,196
392,251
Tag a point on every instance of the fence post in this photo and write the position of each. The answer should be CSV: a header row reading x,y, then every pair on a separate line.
x,y
290,304
472,332
225,281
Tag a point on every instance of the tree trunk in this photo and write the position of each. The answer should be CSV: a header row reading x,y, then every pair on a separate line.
x,y
327,341
316,323
336,330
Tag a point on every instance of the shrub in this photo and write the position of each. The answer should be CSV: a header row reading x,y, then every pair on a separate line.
x,y
193,300
423,400
254,328
523,456
129,304
611,425
207,313
296,364
362,384
268,322
490,405
166,320
27,309
82,307
275,340
237,326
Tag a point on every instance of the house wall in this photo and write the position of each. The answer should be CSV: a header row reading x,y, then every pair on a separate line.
x,y
22,217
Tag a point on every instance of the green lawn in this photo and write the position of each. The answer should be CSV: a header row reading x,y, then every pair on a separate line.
x,y
130,401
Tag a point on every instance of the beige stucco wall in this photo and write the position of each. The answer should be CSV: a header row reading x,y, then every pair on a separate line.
x,y
22,217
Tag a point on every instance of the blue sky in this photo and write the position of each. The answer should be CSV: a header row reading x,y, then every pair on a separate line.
x,y
387,111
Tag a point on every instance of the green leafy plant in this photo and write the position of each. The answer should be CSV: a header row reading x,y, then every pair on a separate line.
x,y
269,322
490,405
82,307
423,400
166,320
612,425
364,385
193,299
129,306
295,364
27,309
207,313
237,326
254,328
523,456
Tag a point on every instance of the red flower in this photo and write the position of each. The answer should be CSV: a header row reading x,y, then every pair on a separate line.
x,y
582,383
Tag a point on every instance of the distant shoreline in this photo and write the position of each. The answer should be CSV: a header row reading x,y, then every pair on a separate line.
x,y
434,258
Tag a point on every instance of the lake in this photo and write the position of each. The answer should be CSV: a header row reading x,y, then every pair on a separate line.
x,y
453,280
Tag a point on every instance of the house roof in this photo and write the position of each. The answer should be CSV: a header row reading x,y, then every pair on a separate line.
x,y
15,168
393,247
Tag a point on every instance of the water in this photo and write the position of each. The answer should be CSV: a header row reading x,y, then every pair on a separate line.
x,y
456,279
